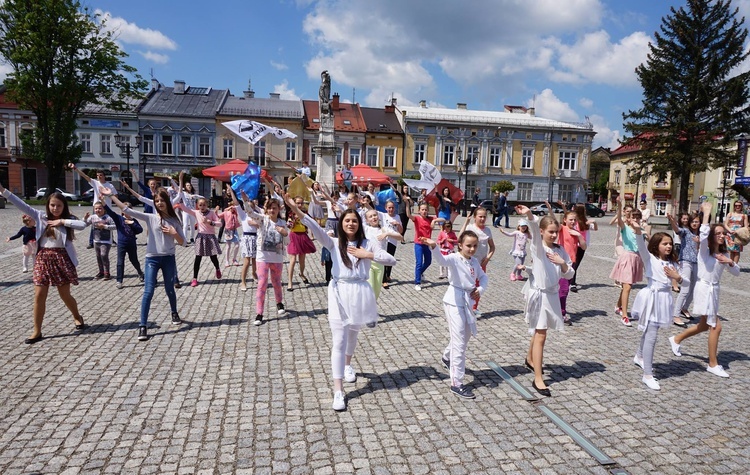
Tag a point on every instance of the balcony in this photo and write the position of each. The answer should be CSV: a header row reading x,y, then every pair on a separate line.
x,y
660,185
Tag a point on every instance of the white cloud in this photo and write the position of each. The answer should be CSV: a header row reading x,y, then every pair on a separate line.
x,y
286,93
154,57
605,137
5,69
549,106
130,33
279,66
586,103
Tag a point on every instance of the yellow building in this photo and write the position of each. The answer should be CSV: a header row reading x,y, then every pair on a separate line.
x,y
384,140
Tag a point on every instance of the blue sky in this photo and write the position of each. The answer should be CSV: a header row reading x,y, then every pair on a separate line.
x,y
571,59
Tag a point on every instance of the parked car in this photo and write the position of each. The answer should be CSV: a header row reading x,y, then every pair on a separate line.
x,y
487,204
123,196
88,195
70,196
541,209
594,211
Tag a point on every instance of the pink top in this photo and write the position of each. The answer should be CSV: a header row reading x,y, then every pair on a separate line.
x,y
204,227
231,221
447,240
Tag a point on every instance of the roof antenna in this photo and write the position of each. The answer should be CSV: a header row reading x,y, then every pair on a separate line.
x,y
152,73
354,94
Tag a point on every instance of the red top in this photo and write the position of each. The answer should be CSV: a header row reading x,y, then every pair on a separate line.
x,y
423,227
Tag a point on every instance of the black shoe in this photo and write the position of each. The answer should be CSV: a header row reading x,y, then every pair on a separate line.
x,y
142,334
141,277
462,391
280,309
528,365
176,319
544,392
81,327
90,246
574,288
177,284
446,363
258,320
31,341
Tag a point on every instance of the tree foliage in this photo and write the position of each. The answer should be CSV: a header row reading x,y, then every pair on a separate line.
x,y
695,100
503,186
63,57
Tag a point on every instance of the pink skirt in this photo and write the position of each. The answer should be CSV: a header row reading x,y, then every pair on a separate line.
x,y
628,268
300,243
53,267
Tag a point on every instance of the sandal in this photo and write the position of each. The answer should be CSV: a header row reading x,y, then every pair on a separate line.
x,y
290,289
304,279
679,323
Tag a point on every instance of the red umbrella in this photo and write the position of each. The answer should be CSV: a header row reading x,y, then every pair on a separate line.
x,y
456,194
362,175
224,172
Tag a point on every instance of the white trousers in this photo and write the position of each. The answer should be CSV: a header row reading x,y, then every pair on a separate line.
x,y
460,332
188,226
689,274
343,344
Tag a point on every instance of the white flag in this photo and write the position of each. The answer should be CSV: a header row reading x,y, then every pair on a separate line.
x,y
253,131
429,177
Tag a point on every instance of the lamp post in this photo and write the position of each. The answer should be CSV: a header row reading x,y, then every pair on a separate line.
x,y
727,173
466,162
123,143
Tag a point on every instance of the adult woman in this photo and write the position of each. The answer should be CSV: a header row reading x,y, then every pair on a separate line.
x,y
404,202
446,207
736,219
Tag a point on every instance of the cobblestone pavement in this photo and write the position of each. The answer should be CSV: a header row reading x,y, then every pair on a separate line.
x,y
218,395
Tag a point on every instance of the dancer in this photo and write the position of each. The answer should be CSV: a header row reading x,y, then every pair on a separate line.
x,y
206,243
315,208
652,306
103,226
248,242
189,197
423,225
521,236
231,236
351,300
735,220
486,247
128,229
147,191
571,240
447,241
299,244
405,202
165,232
688,265
584,226
28,233
467,282
712,260
270,255
446,207
392,225
551,263
378,235
56,260
96,184
628,268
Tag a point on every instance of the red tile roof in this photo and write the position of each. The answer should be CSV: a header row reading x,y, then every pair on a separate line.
x,y
345,112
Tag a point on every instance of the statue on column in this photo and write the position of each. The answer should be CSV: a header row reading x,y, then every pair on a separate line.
x,y
325,95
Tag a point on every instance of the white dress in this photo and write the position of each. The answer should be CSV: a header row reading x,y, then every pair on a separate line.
x,y
543,309
706,292
653,304
350,297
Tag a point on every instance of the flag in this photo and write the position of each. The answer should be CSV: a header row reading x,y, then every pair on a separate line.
x,y
253,131
429,177
385,196
248,181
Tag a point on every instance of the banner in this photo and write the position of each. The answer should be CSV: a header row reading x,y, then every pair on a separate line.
x,y
253,131
742,150
249,181
429,177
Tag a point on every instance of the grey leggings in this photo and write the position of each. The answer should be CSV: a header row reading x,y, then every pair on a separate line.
x,y
646,350
102,257
519,262
689,274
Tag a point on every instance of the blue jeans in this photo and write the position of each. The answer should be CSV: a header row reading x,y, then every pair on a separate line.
x,y
423,256
499,217
132,251
168,265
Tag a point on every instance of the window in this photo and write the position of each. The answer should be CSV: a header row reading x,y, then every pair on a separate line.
x,y
372,156
313,158
420,151
259,152
291,151
567,160
186,145
472,154
339,156
204,146
449,154
389,158
148,144
495,154
565,192
661,208
527,158
105,143
524,191
2,138
167,145
618,175
228,148
355,156
85,143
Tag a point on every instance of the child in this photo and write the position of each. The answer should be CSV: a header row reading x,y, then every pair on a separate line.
x,y
231,225
584,226
571,240
422,229
713,258
351,300
447,241
103,227
628,268
127,231
206,243
378,235
520,237
300,244
165,231
653,305
391,225
551,263
486,246
688,264
270,255
189,197
249,239
28,232
467,282
56,260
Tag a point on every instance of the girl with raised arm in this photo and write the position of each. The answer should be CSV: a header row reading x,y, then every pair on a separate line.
x,y
687,232
249,240
628,268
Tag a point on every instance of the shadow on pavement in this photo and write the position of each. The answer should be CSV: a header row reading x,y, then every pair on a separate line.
x,y
398,379
405,315
579,369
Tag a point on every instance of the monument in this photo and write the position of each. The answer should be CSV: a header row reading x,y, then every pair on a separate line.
x,y
325,151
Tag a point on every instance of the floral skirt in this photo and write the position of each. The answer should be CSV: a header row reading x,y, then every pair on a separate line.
x,y
300,243
207,245
53,267
249,245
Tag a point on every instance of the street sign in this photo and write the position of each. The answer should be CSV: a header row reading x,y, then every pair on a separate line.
x,y
742,180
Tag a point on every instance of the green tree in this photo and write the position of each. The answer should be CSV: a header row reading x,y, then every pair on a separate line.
x,y
503,186
695,100
63,57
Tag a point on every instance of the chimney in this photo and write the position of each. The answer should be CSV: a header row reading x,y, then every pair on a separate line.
x,y
335,101
461,105
155,84
423,103
390,108
249,94
531,111
179,86
275,95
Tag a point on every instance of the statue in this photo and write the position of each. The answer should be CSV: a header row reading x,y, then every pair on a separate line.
x,y
325,95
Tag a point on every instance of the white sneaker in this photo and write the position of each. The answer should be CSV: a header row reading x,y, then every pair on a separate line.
x,y
638,361
417,287
477,314
651,382
350,376
25,270
675,346
339,403
718,370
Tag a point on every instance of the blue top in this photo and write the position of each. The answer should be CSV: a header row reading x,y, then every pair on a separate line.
x,y
28,234
146,194
689,249
629,239
126,233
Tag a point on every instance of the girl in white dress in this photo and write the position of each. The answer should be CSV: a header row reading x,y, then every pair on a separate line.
x,y
467,281
653,304
543,311
712,260
351,300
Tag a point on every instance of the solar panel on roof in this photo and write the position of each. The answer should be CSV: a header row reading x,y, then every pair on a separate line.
x,y
197,91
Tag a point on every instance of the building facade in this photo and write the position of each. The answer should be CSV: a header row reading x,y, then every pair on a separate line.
x,y
384,141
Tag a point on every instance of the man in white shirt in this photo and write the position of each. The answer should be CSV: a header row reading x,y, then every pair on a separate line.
x,y
99,181
304,169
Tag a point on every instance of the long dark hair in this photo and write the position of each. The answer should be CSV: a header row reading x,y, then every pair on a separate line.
x,y
359,236
65,214
653,246
712,246
164,195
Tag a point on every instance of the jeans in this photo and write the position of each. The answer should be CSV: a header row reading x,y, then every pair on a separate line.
x,y
498,217
423,256
168,265
132,251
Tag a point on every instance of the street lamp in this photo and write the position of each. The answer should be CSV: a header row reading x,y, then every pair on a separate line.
x,y
466,162
727,174
123,143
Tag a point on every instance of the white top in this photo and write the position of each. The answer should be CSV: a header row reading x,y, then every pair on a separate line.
x,y
158,243
270,241
372,233
645,214
706,292
485,235
246,227
95,184
653,304
390,225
